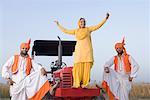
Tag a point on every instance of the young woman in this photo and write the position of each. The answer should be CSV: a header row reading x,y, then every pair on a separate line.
x,y
83,54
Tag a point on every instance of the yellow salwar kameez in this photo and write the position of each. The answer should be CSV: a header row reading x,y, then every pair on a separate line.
x,y
83,54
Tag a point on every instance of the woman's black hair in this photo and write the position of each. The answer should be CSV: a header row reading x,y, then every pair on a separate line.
x,y
82,18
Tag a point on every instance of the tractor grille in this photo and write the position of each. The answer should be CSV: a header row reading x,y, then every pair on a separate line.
x,y
65,75
66,79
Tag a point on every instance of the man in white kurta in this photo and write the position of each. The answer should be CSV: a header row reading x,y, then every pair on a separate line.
x,y
25,83
117,80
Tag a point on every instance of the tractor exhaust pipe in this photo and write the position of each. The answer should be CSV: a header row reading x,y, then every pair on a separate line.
x,y
59,53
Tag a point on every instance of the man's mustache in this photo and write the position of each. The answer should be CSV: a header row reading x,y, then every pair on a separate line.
x,y
24,53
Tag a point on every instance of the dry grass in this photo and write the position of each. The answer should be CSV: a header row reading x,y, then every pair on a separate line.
x,y
139,91
4,91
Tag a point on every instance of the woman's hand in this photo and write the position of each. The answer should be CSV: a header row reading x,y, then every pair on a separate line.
x,y
56,22
107,15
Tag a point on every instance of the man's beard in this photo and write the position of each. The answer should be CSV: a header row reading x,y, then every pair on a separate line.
x,y
120,53
24,53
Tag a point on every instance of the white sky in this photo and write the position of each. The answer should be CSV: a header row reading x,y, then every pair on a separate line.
x,y
23,19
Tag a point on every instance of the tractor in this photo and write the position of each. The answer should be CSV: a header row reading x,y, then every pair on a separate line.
x,y
60,70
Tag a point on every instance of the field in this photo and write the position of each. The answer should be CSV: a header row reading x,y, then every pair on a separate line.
x,y
4,91
140,91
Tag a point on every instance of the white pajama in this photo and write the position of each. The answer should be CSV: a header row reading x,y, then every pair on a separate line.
x,y
118,82
25,86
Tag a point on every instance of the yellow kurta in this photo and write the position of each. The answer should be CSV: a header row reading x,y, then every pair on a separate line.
x,y
83,54
83,49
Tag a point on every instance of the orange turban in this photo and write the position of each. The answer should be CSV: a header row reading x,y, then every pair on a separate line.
x,y
25,45
121,45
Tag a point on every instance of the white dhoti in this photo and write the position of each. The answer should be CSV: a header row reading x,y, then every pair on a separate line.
x,y
119,85
33,87
26,87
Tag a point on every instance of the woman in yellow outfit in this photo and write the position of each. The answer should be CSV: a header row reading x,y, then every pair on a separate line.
x,y
83,54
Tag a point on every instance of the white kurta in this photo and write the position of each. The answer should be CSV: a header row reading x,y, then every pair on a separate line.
x,y
24,86
118,82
